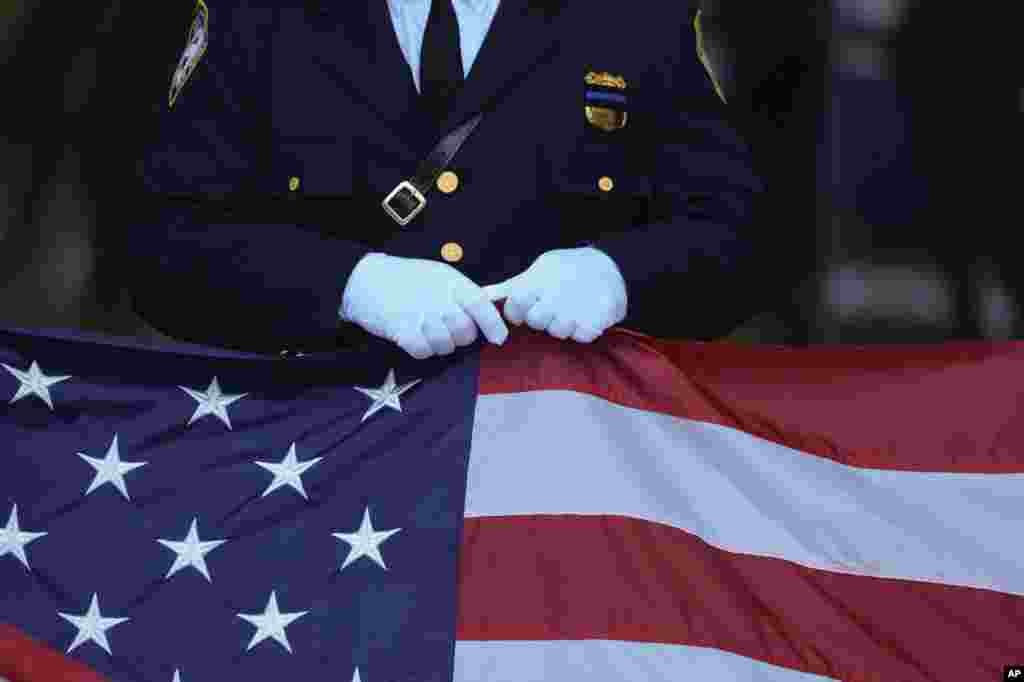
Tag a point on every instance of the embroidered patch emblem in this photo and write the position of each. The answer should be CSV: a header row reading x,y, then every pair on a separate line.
x,y
703,55
604,100
198,37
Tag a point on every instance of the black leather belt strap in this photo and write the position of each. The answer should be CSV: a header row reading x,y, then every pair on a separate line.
x,y
409,197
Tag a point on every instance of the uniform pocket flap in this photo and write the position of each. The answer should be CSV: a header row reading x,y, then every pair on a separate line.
x,y
602,170
314,168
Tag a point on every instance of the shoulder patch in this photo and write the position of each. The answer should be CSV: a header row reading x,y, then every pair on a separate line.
x,y
703,56
195,48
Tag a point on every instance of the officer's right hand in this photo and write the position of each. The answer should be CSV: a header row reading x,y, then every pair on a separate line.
x,y
426,307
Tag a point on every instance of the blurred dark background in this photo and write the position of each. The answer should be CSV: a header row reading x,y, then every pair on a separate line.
x,y
888,132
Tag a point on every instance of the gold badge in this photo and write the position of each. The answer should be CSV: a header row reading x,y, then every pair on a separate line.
x,y
198,37
605,100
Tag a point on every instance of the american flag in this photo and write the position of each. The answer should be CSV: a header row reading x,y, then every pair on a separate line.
x,y
633,509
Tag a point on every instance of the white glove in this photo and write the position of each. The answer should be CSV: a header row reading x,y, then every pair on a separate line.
x,y
424,306
566,292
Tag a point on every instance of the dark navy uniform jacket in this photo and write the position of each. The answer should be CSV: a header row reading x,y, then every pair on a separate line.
x,y
267,174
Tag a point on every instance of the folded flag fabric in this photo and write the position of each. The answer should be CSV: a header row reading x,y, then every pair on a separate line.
x,y
633,509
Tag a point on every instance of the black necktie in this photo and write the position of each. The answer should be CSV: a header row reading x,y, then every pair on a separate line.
x,y
440,60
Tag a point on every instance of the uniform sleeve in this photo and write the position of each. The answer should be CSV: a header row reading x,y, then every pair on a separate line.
x,y
211,266
695,271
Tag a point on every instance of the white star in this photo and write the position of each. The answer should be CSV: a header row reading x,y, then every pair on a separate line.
x,y
271,623
386,395
365,541
212,402
191,552
13,539
177,676
34,382
355,677
92,626
288,472
110,469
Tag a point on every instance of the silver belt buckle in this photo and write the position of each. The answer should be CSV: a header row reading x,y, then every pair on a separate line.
x,y
416,194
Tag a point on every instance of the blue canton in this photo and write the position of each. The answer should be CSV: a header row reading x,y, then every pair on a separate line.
x,y
184,517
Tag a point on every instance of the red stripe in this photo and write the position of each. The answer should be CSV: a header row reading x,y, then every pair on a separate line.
x,y
578,577
947,407
23,659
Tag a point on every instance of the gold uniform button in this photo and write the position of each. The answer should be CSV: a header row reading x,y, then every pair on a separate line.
x,y
451,252
448,182
606,184
293,184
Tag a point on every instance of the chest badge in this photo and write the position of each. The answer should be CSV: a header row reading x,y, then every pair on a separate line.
x,y
605,100
198,37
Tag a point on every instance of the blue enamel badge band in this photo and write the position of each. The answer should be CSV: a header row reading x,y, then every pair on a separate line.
x,y
597,95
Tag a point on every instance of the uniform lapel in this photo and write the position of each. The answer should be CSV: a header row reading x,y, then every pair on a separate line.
x,y
355,43
524,35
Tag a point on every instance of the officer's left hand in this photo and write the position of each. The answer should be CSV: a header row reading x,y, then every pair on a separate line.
x,y
566,292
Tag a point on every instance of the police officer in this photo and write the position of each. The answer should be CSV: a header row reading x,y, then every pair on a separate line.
x,y
401,167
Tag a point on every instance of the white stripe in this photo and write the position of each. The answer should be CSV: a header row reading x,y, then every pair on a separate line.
x,y
610,661
560,452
